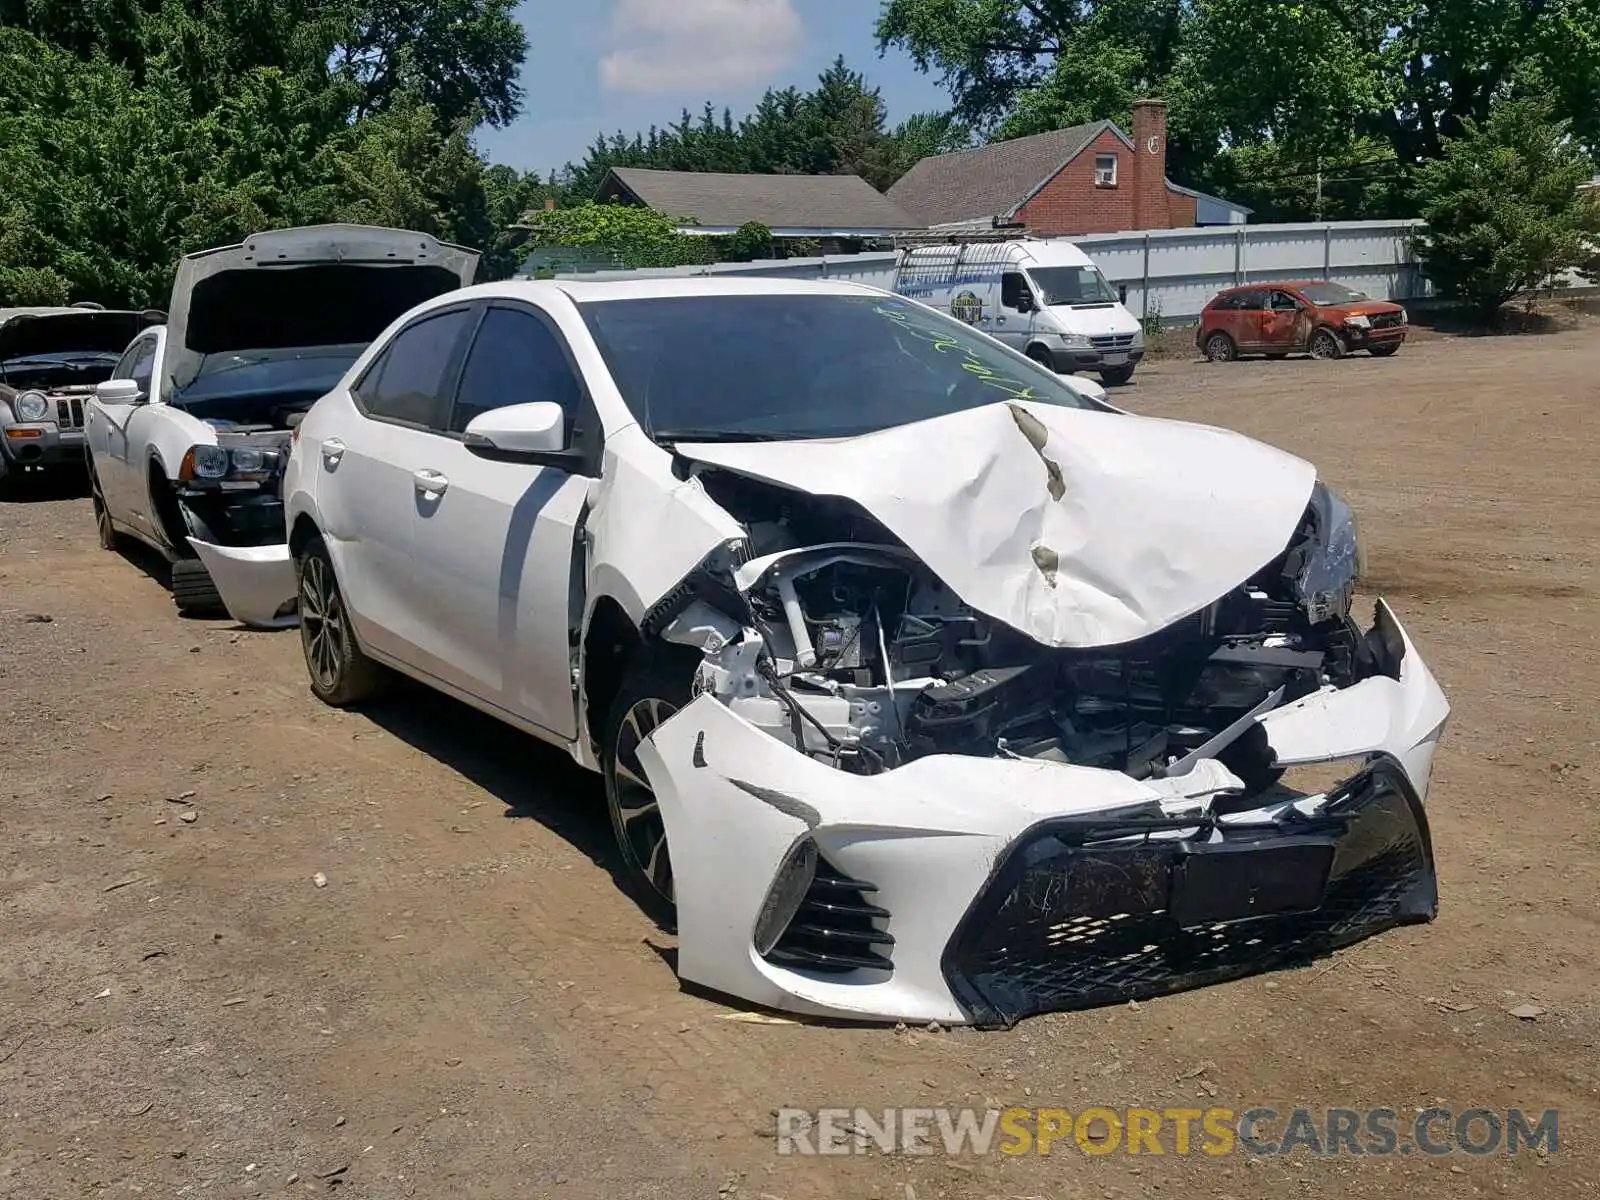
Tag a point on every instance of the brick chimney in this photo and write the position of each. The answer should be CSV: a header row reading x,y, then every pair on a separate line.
x,y
1150,207
550,204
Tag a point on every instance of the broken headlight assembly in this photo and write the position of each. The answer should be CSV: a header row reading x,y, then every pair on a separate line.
x,y
31,406
219,465
1330,558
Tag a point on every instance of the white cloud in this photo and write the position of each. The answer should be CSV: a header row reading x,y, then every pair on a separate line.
x,y
699,45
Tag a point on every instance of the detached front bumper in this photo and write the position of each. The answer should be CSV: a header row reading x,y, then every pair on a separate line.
x,y
977,890
257,583
1091,910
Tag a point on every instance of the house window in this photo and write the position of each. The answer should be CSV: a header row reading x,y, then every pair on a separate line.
x,y
1105,170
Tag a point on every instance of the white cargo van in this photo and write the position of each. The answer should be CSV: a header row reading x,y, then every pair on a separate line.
x,y
1046,298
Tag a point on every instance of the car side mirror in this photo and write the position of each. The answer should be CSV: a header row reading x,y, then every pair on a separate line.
x,y
533,433
119,391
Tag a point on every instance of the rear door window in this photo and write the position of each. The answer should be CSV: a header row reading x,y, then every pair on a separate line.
x,y
411,382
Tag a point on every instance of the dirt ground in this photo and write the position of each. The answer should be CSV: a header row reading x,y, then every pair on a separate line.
x,y
470,1007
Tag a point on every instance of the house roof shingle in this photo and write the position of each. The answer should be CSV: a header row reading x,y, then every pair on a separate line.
x,y
990,181
825,203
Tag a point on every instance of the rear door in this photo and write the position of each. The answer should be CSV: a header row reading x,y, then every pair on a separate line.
x,y
495,541
368,470
1249,318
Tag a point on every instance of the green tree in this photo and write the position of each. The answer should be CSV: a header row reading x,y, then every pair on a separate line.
x,y
990,53
1503,206
750,241
461,57
1318,80
94,171
837,128
618,233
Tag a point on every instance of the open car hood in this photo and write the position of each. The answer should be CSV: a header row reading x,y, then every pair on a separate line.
x,y
317,285
26,333
1077,528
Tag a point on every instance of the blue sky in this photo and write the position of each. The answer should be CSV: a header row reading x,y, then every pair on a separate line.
x,y
625,64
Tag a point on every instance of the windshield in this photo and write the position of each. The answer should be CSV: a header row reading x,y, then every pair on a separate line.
x,y
261,372
1331,293
58,370
1072,285
743,367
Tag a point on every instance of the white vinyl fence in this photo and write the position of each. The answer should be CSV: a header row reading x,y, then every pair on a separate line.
x,y
1170,272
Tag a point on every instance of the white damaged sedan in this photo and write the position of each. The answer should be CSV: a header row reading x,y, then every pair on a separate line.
x,y
924,684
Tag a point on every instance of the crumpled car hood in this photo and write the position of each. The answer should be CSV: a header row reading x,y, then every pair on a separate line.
x,y
1077,528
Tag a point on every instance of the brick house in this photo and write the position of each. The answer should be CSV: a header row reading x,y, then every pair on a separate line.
x,y
1089,178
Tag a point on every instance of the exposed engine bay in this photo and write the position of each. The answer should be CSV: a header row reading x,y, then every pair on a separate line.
x,y
827,633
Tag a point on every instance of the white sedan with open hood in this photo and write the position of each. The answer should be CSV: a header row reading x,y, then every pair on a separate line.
x,y
923,684
189,435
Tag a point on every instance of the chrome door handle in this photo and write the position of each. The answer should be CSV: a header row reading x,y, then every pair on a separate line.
x,y
430,481
332,452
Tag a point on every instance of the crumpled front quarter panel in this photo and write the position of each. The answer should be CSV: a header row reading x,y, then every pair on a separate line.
x,y
1078,528
647,528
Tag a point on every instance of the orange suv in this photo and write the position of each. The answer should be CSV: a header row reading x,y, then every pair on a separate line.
x,y
1325,320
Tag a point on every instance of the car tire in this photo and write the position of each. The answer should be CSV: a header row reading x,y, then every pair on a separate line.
x,y
1384,351
1117,376
341,674
1325,343
1219,347
1042,356
657,683
110,539
193,592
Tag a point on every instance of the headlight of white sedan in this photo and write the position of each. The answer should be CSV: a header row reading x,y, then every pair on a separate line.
x,y
31,406
1332,562
230,465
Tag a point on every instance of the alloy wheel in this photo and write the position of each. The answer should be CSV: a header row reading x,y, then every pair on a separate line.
x,y
640,830
1219,348
322,624
1325,345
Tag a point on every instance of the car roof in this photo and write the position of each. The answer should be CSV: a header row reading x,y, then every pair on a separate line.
x,y
662,288
1288,285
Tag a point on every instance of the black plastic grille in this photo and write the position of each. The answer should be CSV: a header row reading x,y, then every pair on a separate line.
x,y
1071,920
837,928
1385,320
69,412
